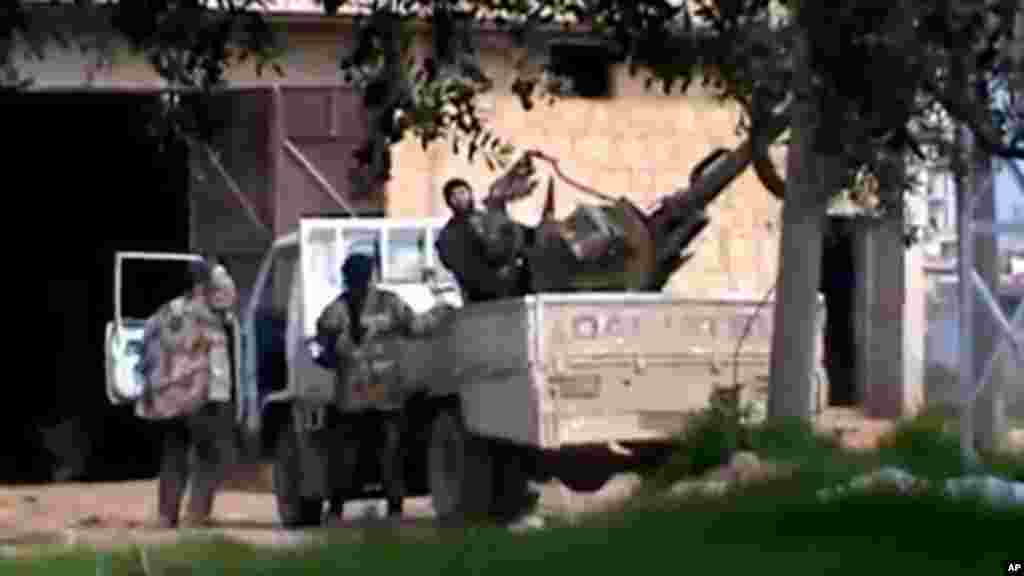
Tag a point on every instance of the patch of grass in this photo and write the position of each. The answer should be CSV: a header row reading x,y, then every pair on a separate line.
x,y
926,446
1010,466
776,526
788,534
746,532
208,555
929,446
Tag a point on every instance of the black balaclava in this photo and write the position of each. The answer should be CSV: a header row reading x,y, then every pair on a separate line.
x,y
357,272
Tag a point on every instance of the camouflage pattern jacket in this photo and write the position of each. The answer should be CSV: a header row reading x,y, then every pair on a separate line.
x,y
186,360
369,371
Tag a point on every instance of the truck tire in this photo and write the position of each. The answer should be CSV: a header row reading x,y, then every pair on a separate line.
x,y
585,483
293,510
512,495
460,469
585,471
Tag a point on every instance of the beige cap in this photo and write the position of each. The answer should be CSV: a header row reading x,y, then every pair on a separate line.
x,y
224,294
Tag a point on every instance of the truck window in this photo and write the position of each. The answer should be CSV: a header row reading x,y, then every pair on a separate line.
x,y
148,284
324,261
406,254
322,256
362,240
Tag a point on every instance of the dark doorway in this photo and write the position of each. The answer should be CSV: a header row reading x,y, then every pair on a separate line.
x,y
89,179
838,284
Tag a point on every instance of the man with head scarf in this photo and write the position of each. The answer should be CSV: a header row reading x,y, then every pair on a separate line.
x,y
363,327
190,384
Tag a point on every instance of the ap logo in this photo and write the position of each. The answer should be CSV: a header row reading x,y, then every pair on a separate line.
x,y
1014,568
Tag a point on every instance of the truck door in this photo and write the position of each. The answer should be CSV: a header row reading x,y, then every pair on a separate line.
x,y
124,333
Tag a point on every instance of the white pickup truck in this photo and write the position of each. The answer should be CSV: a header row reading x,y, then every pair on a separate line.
x,y
574,386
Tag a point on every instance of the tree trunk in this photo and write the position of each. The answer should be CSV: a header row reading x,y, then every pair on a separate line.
x,y
808,185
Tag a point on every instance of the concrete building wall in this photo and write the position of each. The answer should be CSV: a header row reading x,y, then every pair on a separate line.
x,y
639,144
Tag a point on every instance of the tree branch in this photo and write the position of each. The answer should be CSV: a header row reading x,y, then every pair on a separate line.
x,y
761,139
769,176
969,111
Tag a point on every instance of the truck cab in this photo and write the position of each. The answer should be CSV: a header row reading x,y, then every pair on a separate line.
x,y
296,399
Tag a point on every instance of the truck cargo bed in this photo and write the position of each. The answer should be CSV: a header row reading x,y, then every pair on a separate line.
x,y
554,370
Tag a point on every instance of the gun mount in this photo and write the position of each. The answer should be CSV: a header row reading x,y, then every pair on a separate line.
x,y
620,247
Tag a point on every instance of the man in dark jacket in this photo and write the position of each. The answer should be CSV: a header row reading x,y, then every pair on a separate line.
x,y
364,326
484,251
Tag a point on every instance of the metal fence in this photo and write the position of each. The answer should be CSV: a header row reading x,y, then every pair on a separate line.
x,y
942,344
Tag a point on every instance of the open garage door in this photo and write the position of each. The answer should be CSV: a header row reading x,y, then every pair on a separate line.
x,y
277,153
86,178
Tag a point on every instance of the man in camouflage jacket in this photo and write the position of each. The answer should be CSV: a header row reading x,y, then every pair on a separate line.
x,y
365,326
188,367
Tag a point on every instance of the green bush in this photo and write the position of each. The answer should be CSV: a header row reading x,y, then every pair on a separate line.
x,y
929,445
924,445
710,439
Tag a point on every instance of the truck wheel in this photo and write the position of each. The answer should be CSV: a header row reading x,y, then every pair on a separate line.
x,y
512,496
460,469
586,483
586,471
293,510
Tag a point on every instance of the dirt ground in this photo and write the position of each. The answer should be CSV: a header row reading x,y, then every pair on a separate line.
x,y
107,514
117,513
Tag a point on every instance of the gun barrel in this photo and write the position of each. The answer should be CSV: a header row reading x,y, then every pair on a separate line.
x,y
712,180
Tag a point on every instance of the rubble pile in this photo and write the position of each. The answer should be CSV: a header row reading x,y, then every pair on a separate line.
x,y
743,468
996,491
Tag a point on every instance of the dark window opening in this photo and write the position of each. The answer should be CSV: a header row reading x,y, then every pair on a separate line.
x,y
838,284
586,67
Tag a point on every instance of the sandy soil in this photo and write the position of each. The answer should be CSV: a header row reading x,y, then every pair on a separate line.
x,y
107,514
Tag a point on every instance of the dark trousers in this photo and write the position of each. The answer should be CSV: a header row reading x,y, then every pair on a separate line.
x,y
210,432
381,433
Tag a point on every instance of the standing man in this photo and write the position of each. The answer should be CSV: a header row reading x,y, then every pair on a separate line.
x,y
189,370
363,327
482,250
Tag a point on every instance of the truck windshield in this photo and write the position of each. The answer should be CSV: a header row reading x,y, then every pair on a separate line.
x,y
362,241
406,254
